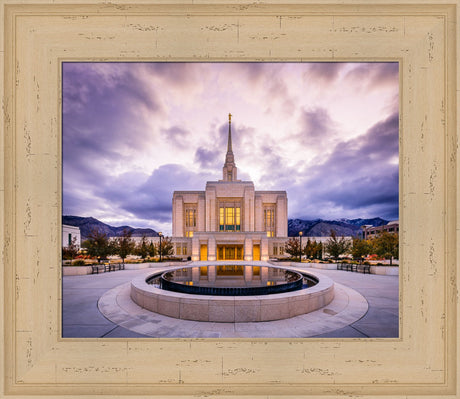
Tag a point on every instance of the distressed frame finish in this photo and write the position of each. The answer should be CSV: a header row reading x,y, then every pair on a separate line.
x,y
38,37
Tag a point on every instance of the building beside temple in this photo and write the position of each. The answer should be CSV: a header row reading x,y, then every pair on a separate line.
x,y
229,220
71,235
373,231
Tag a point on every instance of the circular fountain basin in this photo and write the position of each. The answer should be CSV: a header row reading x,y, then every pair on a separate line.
x,y
247,292
232,280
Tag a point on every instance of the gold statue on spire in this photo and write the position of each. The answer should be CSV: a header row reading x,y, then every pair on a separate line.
x,y
229,118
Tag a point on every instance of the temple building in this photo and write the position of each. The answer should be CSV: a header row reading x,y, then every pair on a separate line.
x,y
229,220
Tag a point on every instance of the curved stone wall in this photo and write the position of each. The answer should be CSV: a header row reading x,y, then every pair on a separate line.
x,y
233,309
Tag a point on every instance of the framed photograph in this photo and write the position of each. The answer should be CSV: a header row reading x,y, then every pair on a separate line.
x,y
42,39
321,136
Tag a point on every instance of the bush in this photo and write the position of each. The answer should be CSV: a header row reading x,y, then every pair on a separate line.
x,y
366,263
379,264
79,262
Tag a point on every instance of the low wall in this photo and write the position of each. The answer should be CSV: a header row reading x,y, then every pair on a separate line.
x,y
324,266
76,270
147,265
385,270
136,266
232,309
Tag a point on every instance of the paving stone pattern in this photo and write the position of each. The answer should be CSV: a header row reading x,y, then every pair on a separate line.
x,y
348,316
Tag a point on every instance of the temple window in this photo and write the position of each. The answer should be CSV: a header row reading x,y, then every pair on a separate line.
x,y
230,217
269,221
190,217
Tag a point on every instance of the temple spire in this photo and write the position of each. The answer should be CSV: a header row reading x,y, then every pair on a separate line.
x,y
229,144
229,170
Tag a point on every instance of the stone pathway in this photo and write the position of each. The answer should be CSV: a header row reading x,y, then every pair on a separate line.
x,y
347,307
364,306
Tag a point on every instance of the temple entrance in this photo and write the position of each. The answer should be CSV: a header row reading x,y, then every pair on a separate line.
x,y
256,252
229,252
204,252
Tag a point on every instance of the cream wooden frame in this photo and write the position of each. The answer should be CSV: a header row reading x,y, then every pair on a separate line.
x,y
38,35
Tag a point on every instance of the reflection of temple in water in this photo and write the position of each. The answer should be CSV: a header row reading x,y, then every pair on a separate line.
x,y
230,276
229,220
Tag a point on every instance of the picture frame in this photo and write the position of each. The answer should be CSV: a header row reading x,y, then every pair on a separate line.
x,y
38,36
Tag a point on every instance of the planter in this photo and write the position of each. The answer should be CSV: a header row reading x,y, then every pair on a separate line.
x,y
385,270
76,270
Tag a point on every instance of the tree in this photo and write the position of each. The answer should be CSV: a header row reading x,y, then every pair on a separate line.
x,y
167,247
319,250
361,247
142,248
309,249
152,249
313,249
292,247
124,245
98,244
387,245
70,251
337,246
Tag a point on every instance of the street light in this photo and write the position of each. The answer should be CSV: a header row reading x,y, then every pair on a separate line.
x,y
161,235
300,235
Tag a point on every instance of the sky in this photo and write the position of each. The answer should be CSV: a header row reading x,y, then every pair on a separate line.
x,y
133,133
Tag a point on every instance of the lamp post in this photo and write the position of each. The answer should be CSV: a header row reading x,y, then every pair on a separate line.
x,y
160,234
300,235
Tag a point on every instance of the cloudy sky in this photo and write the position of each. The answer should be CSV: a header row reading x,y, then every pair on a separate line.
x,y
327,133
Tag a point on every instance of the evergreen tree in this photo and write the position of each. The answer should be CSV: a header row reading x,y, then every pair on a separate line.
x,y
152,249
142,248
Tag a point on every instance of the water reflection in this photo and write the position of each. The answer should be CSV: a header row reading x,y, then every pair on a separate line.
x,y
231,276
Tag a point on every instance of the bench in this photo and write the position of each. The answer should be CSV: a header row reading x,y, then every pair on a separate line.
x,y
364,269
107,267
96,268
112,267
351,267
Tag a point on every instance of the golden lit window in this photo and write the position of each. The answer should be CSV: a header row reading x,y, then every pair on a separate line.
x,y
229,218
269,221
190,217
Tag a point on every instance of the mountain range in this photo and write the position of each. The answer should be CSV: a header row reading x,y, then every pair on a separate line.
x,y
87,224
322,228
309,228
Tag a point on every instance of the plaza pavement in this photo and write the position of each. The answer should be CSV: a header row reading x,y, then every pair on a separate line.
x,y
348,316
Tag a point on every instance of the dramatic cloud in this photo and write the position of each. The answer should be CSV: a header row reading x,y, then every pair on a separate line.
x,y
360,176
135,132
325,72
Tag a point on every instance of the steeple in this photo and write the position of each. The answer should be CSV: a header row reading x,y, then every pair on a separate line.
x,y
229,170
229,143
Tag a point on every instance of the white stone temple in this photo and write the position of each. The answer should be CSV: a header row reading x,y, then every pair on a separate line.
x,y
229,220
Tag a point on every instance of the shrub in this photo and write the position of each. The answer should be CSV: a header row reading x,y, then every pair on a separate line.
x,y
79,262
380,264
366,263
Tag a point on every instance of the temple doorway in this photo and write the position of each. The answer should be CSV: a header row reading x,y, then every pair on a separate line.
x,y
229,252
